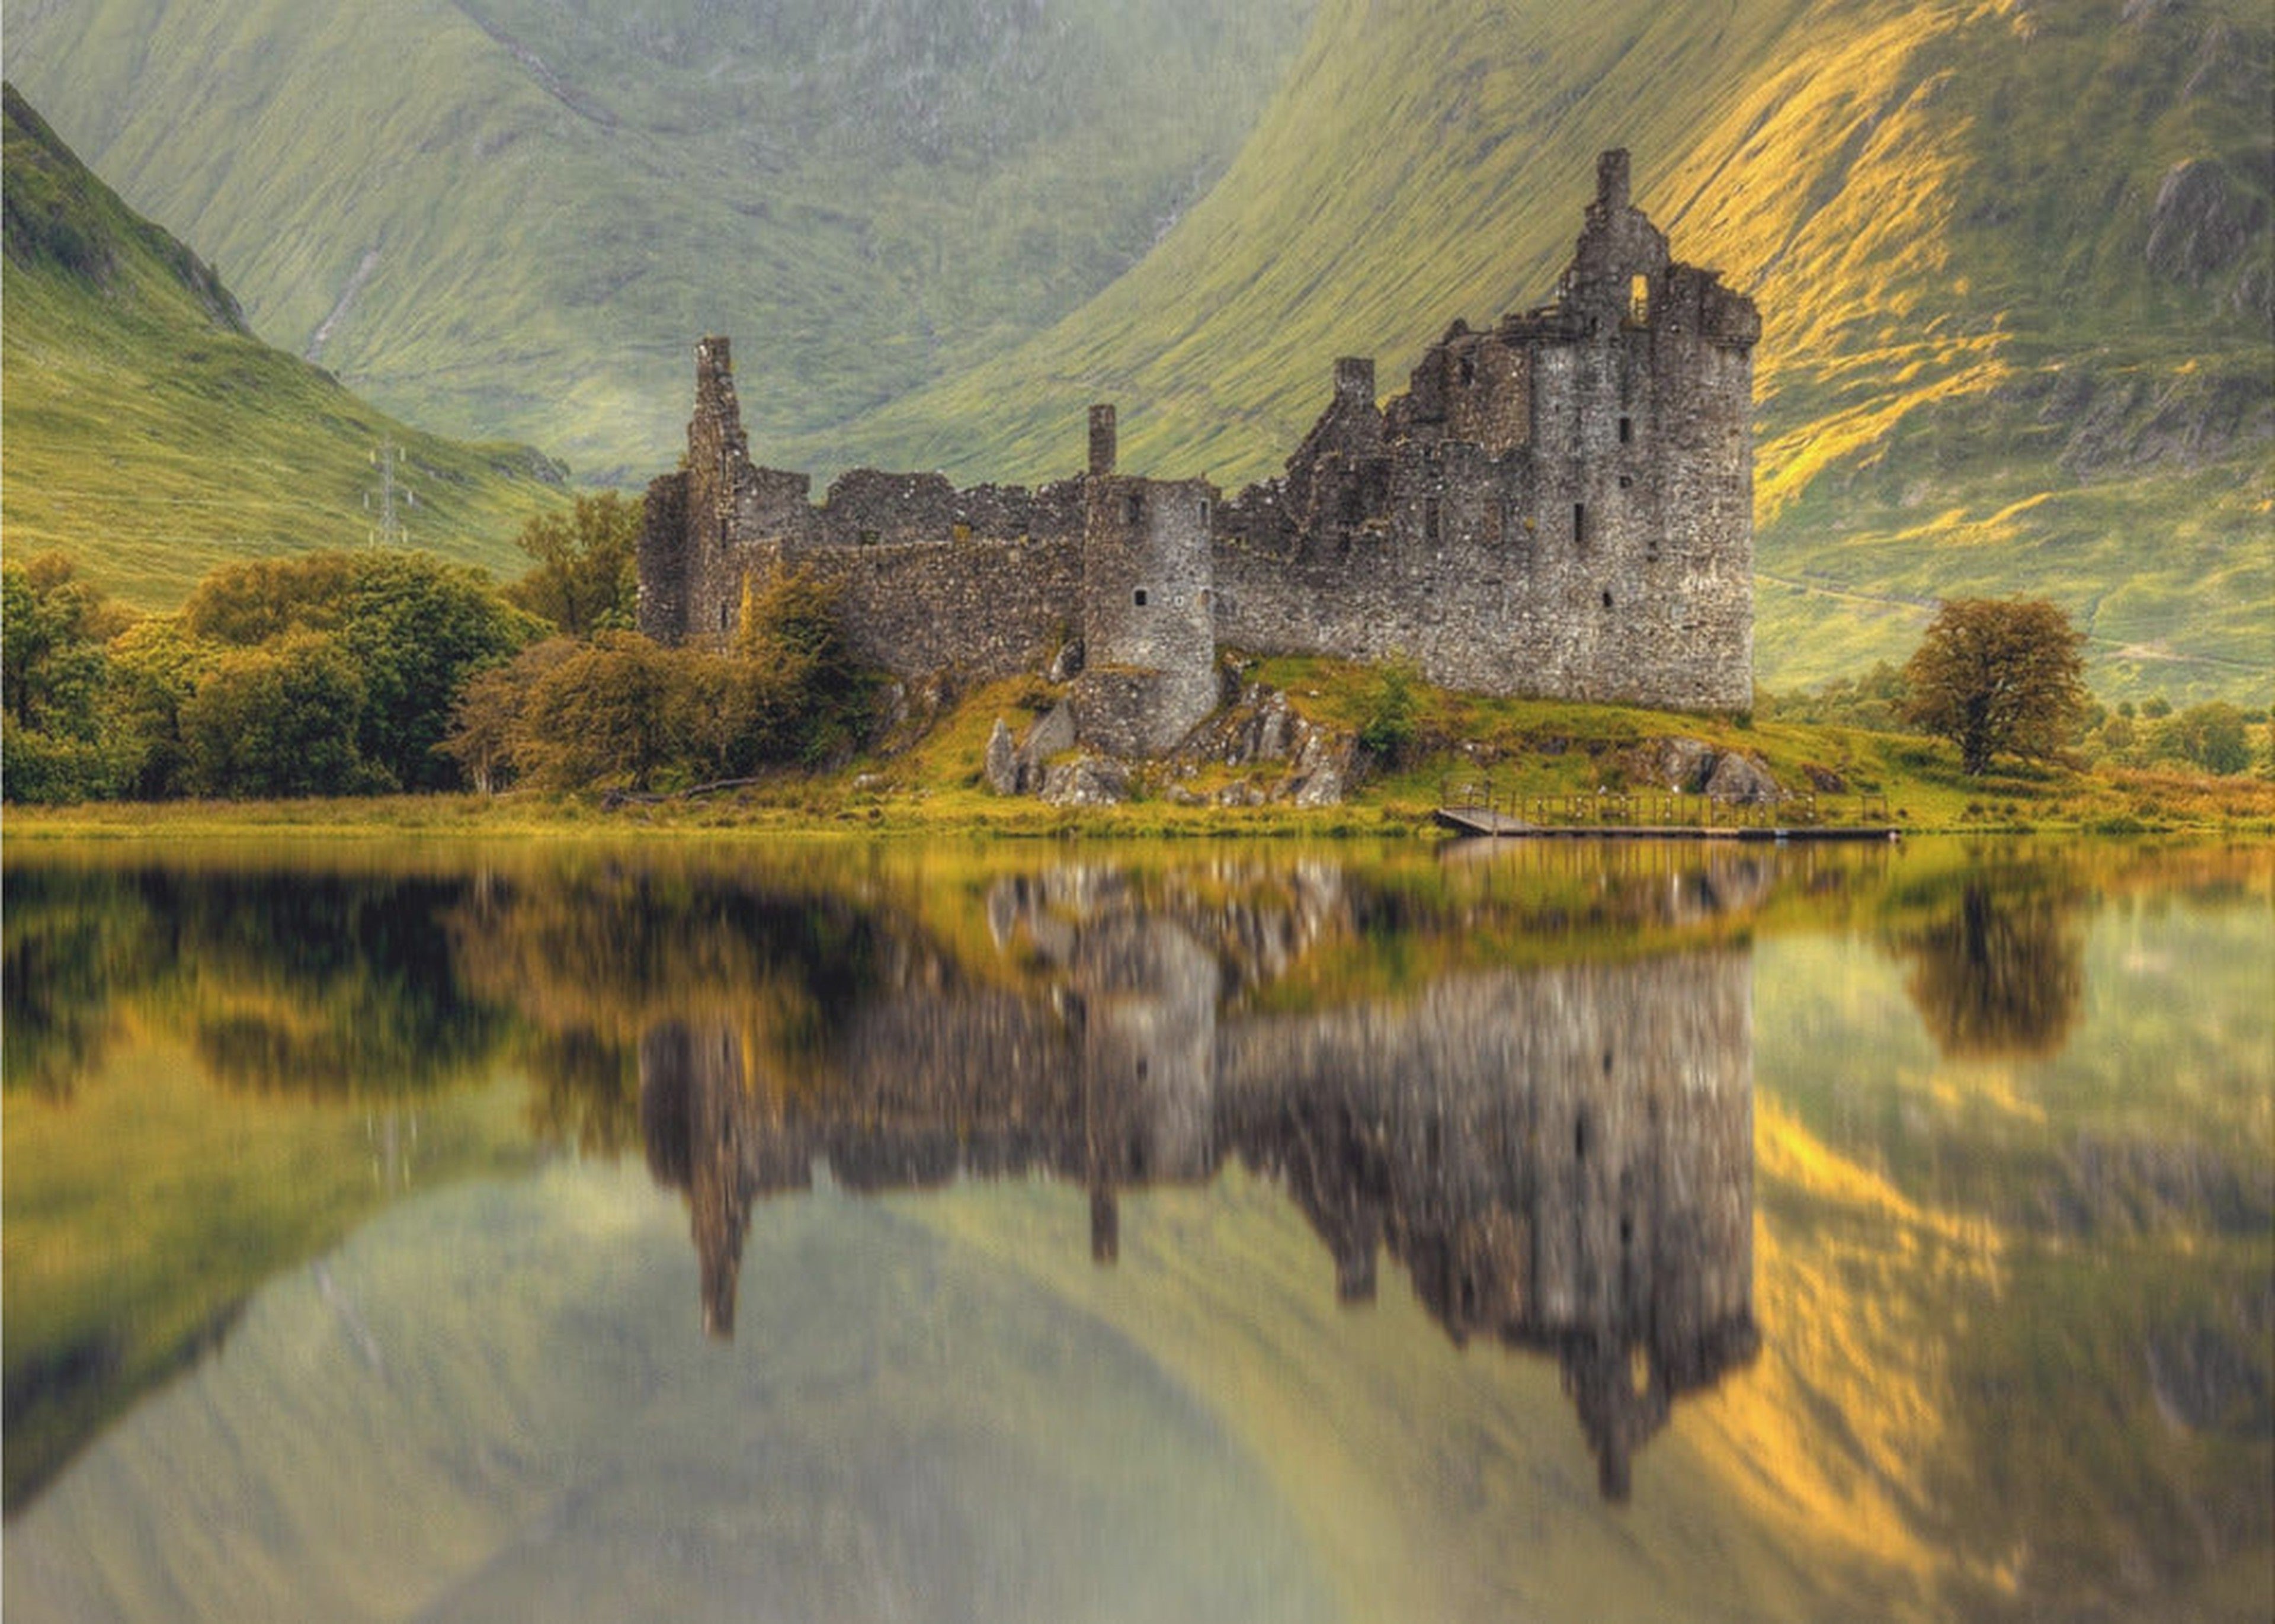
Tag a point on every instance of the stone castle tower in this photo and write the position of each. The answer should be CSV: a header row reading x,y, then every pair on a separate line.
x,y
1148,595
1561,505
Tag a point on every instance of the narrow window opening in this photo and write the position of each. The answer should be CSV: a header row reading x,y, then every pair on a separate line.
x,y
1580,524
1580,1139
1468,369
1430,521
1139,597
1639,300
1204,510
726,617
1133,508
1607,598
1626,431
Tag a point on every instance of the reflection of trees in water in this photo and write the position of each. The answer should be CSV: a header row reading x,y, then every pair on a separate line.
x,y
72,942
281,979
746,1027
582,1090
1562,1158
321,983
2000,971
589,961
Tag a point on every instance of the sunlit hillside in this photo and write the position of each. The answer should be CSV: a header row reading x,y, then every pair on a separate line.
x,y
150,436
515,216
2016,260
2014,264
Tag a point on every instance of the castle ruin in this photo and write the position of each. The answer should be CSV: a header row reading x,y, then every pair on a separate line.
x,y
1560,506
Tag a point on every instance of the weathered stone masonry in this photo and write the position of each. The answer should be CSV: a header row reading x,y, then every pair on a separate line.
x,y
1561,505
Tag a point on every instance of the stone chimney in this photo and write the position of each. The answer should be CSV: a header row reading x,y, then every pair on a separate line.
x,y
1612,180
1102,440
1355,379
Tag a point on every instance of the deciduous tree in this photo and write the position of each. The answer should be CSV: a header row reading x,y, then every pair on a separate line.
x,y
417,628
414,628
801,694
1998,676
585,579
2213,735
53,672
155,666
279,720
619,709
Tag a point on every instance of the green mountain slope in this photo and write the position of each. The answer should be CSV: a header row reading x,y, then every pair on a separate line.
x,y
151,436
2014,264
2016,258
516,216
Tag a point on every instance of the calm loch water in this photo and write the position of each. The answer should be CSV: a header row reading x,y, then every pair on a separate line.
x,y
815,1232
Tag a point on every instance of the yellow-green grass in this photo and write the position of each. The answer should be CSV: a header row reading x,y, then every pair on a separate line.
x,y
1521,748
523,227
151,438
1972,381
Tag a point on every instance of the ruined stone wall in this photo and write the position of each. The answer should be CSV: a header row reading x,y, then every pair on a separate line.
x,y
664,577
865,507
987,609
1560,506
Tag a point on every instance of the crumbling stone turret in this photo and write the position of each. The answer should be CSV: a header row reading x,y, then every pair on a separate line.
x,y
1561,504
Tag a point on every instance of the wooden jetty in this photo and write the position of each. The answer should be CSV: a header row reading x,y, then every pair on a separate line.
x,y
1474,811
1477,822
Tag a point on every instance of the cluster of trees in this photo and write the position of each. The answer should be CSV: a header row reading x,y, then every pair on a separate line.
x,y
377,672
382,671
616,708
2006,676
330,673
2214,737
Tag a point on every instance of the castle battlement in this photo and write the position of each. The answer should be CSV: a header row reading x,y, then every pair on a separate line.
x,y
1561,505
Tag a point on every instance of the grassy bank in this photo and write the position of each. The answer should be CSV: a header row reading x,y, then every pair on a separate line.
x,y
1522,748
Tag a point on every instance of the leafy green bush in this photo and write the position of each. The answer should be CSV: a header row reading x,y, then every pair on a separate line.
x,y
587,574
279,719
1389,730
619,711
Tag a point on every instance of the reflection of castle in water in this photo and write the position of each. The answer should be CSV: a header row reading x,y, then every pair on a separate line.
x,y
1561,1158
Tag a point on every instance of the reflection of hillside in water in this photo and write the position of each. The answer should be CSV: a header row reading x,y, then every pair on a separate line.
x,y
1559,1157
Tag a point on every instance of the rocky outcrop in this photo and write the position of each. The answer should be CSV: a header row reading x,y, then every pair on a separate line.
x,y
1022,768
1261,728
1695,767
2198,223
1087,780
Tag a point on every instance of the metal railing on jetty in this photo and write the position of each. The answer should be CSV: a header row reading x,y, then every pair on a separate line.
x,y
1477,805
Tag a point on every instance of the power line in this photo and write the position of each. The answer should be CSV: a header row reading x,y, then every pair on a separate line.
x,y
388,531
